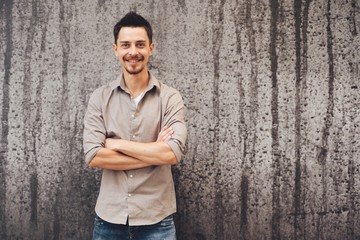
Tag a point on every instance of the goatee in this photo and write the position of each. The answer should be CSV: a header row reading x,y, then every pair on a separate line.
x,y
134,72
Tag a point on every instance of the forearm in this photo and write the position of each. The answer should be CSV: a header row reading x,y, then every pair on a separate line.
x,y
108,159
154,153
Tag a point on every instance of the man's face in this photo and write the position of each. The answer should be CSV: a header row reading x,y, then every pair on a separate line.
x,y
133,49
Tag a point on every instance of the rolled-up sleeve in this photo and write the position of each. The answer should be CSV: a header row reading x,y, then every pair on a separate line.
x,y
175,118
94,128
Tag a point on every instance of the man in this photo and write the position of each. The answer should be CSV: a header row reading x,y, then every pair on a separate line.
x,y
134,130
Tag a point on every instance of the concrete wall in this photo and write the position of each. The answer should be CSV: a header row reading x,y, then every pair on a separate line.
x,y
273,112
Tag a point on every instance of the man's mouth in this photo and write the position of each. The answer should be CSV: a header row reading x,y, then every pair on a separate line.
x,y
133,60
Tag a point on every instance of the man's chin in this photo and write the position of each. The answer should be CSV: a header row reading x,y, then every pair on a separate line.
x,y
134,72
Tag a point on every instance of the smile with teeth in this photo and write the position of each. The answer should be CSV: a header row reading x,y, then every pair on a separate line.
x,y
133,60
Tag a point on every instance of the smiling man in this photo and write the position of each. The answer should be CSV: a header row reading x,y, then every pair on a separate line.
x,y
134,130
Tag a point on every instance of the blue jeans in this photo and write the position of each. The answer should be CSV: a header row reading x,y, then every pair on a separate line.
x,y
163,230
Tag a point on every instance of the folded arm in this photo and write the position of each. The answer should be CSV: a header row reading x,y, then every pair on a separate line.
x,y
108,159
154,153
120,154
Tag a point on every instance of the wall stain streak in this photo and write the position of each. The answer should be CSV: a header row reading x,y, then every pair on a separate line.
x,y
29,141
244,189
242,136
351,216
242,128
37,123
7,7
56,224
238,26
304,72
352,19
276,210
323,152
353,169
64,122
298,207
33,198
217,18
36,132
305,24
254,105
300,85
65,15
250,137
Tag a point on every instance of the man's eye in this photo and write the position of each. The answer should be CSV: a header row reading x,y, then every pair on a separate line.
x,y
125,45
141,45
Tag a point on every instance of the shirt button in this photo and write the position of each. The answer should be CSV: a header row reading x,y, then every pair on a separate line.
x,y
134,136
131,175
129,194
132,115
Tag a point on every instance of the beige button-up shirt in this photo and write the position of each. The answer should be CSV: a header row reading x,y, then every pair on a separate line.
x,y
146,195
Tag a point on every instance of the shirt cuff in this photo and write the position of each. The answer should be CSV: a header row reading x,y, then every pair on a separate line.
x,y
175,147
89,155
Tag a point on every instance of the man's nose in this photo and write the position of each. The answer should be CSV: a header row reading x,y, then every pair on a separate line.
x,y
133,50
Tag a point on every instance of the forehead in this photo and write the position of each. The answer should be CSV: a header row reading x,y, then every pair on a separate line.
x,y
130,34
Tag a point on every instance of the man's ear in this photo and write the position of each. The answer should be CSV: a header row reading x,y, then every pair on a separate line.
x,y
114,46
152,46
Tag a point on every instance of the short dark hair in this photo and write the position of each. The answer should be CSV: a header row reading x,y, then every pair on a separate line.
x,y
132,19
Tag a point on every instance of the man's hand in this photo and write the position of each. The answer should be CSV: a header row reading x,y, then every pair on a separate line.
x,y
165,134
111,143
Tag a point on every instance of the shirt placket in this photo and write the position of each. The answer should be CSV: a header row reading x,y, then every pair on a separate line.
x,y
134,128
133,137
130,184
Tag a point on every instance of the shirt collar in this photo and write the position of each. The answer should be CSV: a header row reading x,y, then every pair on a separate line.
x,y
120,82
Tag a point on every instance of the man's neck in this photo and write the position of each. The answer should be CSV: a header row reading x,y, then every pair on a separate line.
x,y
136,83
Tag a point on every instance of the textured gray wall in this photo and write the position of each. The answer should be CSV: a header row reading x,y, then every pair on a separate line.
x,y
273,112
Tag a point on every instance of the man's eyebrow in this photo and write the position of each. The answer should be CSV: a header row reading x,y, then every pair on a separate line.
x,y
135,41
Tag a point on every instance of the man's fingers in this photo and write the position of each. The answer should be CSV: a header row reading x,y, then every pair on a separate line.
x,y
168,135
165,134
